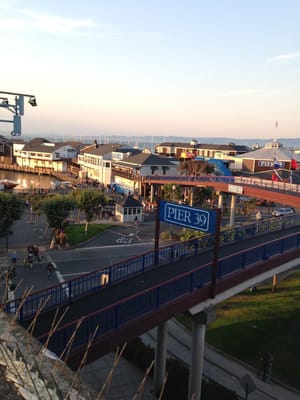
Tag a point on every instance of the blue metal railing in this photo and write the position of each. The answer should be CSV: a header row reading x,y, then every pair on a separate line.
x,y
78,287
118,314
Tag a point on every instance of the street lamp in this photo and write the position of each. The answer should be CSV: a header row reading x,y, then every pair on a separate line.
x,y
17,108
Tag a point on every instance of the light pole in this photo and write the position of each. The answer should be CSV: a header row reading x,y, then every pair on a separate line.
x,y
16,106
173,199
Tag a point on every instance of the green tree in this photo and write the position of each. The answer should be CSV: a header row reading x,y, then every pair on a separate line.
x,y
201,194
172,192
36,204
11,209
89,201
195,167
57,210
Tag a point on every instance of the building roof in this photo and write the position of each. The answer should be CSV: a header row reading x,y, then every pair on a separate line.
x,y
146,158
268,153
43,147
38,140
127,150
131,201
227,147
100,149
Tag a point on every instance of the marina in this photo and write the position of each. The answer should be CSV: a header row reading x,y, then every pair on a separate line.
x,y
29,181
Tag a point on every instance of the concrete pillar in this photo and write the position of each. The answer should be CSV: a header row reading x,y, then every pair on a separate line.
x,y
195,378
200,321
191,195
232,211
220,200
160,357
151,193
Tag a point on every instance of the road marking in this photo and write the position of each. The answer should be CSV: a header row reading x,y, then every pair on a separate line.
x,y
112,246
60,277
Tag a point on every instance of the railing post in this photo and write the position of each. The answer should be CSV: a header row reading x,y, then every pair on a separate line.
x,y
172,253
264,252
192,281
281,246
157,232
220,269
116,316
70,290
214,274
196,246
243,260
157,297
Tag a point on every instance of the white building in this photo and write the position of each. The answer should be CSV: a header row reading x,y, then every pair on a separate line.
x,y
95,162
130,168
39,153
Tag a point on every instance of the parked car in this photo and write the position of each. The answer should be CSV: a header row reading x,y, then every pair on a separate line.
x,y
283,211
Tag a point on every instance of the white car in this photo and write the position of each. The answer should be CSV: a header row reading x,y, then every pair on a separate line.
x,y
283,211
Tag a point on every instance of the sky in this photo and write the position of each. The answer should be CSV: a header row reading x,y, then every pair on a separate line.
x,y
200,68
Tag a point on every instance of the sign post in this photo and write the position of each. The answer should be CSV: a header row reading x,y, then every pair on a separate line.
x,y
208,221
157,233
214,274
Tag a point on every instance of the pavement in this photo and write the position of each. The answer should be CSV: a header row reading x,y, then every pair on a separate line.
x,y
125,377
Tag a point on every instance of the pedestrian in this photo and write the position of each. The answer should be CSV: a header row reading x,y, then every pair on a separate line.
x,y
36,253
13,257
258,216
50,268
30,258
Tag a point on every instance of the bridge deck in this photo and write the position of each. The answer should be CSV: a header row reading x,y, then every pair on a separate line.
x,y
136,284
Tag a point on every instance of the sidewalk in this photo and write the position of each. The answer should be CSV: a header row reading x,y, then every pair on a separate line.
x,y
24,232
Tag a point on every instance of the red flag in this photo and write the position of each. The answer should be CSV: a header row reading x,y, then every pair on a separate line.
x,y
293,164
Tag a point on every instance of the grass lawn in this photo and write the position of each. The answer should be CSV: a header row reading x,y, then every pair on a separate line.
x,y
250,325
76,234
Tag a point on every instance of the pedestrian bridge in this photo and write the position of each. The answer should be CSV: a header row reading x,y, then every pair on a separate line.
x,y
124,300
285,192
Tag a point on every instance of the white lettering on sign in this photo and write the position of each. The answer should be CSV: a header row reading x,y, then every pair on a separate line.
x,y
200,219
179,215
188,217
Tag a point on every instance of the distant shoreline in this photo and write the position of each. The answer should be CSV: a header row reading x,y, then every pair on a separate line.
x,y
151,141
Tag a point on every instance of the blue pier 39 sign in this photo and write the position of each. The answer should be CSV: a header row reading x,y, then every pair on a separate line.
x,y
189,217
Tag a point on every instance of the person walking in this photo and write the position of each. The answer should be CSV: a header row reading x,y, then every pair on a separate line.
x,y
13,258
50,269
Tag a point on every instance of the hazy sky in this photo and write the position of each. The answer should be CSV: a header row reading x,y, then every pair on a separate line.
x,y
198,68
